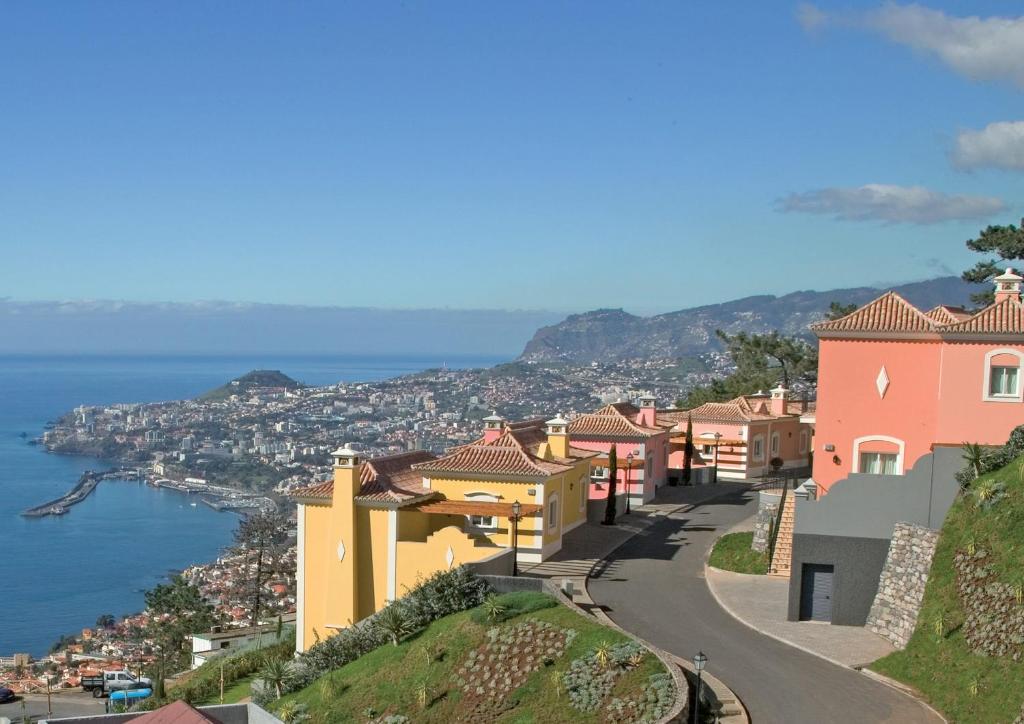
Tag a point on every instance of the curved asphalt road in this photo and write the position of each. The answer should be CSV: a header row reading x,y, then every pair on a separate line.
x,y
654,586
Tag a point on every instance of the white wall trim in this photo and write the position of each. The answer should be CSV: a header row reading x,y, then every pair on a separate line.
x,y
300,581
985,395
855,463
392,554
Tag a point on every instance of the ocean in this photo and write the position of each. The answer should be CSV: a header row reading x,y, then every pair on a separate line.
x,y
58,574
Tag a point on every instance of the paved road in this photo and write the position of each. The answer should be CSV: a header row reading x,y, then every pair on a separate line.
x,y
64,704
654,586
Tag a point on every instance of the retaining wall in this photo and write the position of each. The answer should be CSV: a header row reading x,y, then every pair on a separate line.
x,y
901,586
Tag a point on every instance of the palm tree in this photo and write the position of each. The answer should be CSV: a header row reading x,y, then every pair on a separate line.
x,y
974,455
276,672
395,622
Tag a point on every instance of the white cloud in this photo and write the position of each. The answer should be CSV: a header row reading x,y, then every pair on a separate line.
x,y
997,145
989,48
891,204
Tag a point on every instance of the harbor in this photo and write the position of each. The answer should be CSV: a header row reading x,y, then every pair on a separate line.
x,y
79,492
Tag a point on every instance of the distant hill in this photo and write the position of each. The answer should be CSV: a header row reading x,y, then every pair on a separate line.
x,y
607,335
250,381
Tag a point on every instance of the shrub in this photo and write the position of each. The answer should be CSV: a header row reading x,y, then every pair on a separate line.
x,y
395,622
441,595
204,683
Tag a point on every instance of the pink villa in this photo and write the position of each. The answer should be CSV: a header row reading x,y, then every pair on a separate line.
x,y
641,444
896,382
748,432
900,390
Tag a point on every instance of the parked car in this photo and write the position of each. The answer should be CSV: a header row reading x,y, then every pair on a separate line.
x,y
110,681
7,695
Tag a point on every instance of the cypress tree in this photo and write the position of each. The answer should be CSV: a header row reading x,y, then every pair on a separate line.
x,y
688,452
613,465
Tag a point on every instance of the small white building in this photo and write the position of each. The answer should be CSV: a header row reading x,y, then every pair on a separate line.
x,y
206,646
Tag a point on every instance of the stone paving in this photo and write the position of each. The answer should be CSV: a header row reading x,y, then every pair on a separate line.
x,y
761,602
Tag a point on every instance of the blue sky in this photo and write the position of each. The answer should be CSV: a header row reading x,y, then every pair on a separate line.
x,y
520,155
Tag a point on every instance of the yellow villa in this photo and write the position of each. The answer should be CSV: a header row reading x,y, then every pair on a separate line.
x,y
383,524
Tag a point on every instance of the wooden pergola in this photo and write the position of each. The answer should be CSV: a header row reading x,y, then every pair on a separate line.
x,y
475,507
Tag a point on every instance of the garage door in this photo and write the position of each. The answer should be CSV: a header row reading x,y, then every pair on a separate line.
x,y
816,592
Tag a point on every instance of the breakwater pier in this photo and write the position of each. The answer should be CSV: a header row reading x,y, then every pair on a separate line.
x,y
81,490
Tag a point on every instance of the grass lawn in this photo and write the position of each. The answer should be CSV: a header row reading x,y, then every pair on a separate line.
x,y
732,553
417,678
939,661
234,693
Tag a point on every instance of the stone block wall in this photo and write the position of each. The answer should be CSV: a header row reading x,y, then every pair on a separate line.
x,y
767,510
901,586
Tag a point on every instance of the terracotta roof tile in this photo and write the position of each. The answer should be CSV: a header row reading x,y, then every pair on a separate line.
x,y
387,479
514,452
889,313
751,408
1005,317
177,712
615,420
944,314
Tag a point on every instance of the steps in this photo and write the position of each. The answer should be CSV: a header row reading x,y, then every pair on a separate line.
x,y
782,561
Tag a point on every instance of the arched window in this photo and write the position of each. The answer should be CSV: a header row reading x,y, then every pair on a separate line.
x,y
878,454
1002,376
757,448
805,438
776,444
482,522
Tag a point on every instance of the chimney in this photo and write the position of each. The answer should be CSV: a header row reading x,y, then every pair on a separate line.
x,y
648,412
1008,286
493,425
558,436
780,396
343,574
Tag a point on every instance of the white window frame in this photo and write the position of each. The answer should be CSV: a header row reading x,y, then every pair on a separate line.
x,y
775,446
805,441
483,523
855,466
986,393
584,483
757,449
552,507
879,456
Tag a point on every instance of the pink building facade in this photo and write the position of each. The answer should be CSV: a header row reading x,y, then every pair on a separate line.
x,y
894,382
749,432
633,431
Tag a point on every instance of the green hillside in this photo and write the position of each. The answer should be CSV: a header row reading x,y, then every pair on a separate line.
x,y
967,654
520,657
249,381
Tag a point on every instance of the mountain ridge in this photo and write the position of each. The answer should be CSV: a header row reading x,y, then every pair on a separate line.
x,y
608,335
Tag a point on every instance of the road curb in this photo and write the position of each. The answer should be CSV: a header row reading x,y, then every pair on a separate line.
x,y
903,688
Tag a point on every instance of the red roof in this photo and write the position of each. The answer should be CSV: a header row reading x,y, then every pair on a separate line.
x,y
749,408
889,313
177,712
892,314
615,420
386,479
517,451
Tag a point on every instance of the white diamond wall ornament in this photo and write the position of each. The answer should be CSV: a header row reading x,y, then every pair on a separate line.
x,y
882,382
341,550
450,556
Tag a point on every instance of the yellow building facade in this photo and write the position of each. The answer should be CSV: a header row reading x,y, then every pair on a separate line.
x,y
382,525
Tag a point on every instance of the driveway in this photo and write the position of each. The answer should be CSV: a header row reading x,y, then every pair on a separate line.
x,y
654,586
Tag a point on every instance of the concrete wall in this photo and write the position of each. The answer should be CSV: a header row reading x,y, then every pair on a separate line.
x,y
858,563
869,506
500,564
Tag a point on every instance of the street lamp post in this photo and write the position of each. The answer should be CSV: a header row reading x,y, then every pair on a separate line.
x,y
716,436
699,662
629,487
517,515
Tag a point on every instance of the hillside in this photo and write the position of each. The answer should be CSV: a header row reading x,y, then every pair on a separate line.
x,y
967,653
249,381
534,661
607,335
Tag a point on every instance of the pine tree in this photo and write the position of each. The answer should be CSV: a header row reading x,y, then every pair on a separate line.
x,y
1008,244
